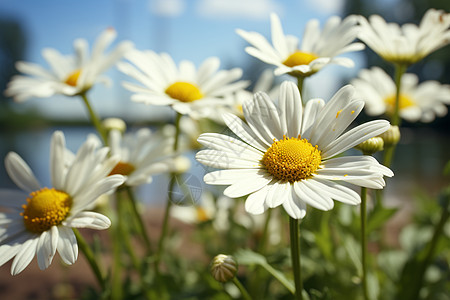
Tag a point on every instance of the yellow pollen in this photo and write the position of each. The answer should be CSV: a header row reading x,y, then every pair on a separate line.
x,y
352,112
72,79
45,208
338,113
123,168
202,216
299,58
404,102
184,91
292,159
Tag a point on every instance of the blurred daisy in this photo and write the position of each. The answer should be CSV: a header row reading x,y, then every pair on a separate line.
x,y
284,157
187,90
40,223
142,154
317,49
69,75
418,102
409,43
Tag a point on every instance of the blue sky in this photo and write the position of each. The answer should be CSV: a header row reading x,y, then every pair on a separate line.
x,y
186,29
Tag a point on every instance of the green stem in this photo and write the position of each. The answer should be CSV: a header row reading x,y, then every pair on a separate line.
x,y
165,224
438,230
239,285
139,219
295,256
400,69
84,247
300,80
389,151
263,239
364,241
95,119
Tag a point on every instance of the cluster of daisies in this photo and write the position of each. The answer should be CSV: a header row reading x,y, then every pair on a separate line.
x,y
285,153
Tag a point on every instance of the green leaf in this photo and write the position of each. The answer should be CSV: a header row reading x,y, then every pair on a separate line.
x,y
248,257
378,217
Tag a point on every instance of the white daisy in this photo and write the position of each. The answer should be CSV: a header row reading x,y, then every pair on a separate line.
x,y
69,74
317,49
187,90
40,223
409,43
142,154
418,102
285,157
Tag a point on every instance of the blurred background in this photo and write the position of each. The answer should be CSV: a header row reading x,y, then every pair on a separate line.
x,y
195,30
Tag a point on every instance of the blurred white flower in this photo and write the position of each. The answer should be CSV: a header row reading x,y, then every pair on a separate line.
x,y
143,154
69,75
318,48
189,91
418,102
40,223
409,43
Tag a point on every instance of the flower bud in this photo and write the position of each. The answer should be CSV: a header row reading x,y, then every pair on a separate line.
x,y
223,268
391,136
371,145
114,123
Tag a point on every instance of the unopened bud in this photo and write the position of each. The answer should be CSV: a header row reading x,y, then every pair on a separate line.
x,y
371,145
391,136
114,124
223,268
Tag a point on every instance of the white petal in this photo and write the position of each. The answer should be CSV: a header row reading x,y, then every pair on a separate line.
x,y
247,186
291,109
255,202
57,160
67,245
87,219
9,249
20,173
46,247
309,194
277,194
294,206
24,256
244,131
226,177
12,198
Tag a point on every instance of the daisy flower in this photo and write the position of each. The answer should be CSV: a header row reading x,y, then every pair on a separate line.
x,y
142,154
418,102
189,91
317,49
69,75
284,157
409,43
40,223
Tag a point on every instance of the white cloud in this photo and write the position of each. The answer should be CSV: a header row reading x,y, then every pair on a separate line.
x,y
167,8
326,7
226,9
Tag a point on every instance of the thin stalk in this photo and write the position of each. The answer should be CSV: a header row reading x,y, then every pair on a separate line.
x,y
84,247
295,256
263,240
95,119
364,241
388,154
138,216
165,224
300,80
241,288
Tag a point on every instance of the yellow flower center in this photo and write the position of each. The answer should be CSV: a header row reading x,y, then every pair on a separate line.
x,y
202,216
72,79
299,58
404,102
123,168
292,159
45,208
184,91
